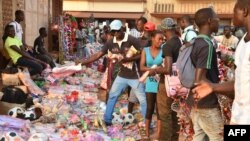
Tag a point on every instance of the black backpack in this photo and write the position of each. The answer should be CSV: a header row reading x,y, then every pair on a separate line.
x,y
13,95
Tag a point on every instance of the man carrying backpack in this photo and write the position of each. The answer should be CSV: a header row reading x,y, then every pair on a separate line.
x,y
205,114
189,32
167,119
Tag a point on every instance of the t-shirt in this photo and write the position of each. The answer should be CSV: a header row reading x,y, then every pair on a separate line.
x,y
12,53
188,34
127,42
39,46
204,56
171,49
18,30
241,103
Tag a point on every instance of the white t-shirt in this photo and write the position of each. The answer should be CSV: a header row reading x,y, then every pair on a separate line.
x,y
230,43
18,30
241,104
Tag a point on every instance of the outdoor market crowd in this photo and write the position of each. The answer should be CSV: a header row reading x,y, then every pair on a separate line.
x,y
152,62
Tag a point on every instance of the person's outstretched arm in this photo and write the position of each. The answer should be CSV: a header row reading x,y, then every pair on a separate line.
x,y
203,89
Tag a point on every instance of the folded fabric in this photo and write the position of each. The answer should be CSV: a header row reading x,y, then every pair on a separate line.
x,y
73,68
10,122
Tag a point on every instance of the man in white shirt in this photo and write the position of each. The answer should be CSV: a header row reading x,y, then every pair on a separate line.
x,y
228,40
19,17
189,32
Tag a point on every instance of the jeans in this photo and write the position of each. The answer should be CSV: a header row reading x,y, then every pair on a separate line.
x,y
83,52
34,67
119,85
47,59
207,122
91,38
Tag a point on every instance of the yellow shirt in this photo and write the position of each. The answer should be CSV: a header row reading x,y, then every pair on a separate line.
x,y
12,53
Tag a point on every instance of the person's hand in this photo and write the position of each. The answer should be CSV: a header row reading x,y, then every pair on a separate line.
x,y
30,48
202,89
120,58
152,72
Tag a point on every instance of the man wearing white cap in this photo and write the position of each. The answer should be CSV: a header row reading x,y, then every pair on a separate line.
x,y
127,76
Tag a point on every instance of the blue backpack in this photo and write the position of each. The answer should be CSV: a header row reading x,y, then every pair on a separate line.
x,y
184,65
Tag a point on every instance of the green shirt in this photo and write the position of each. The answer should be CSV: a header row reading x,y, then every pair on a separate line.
x,y
12,53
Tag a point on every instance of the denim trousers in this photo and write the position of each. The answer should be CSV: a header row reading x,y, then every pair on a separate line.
x,y
47,59
83,52
119,85
207,123
34,67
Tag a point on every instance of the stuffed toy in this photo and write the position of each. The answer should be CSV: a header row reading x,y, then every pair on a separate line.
x,y
16,112
11,136
39,137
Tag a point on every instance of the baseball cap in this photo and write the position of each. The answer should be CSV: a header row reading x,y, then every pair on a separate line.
x,y
149,26
168,23
115,25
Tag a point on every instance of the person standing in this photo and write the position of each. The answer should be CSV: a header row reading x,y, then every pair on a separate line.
x,y
120,45
140,25
189,32
228,40
19,17
167,118
204,59
133,31
80,40
239,88
39,48
150,56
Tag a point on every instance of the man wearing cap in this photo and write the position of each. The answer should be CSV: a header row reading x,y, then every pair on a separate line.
x,y
120,45
167,119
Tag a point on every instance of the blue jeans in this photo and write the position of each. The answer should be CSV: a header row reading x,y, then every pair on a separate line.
x,y
83,52
119,85
91,38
